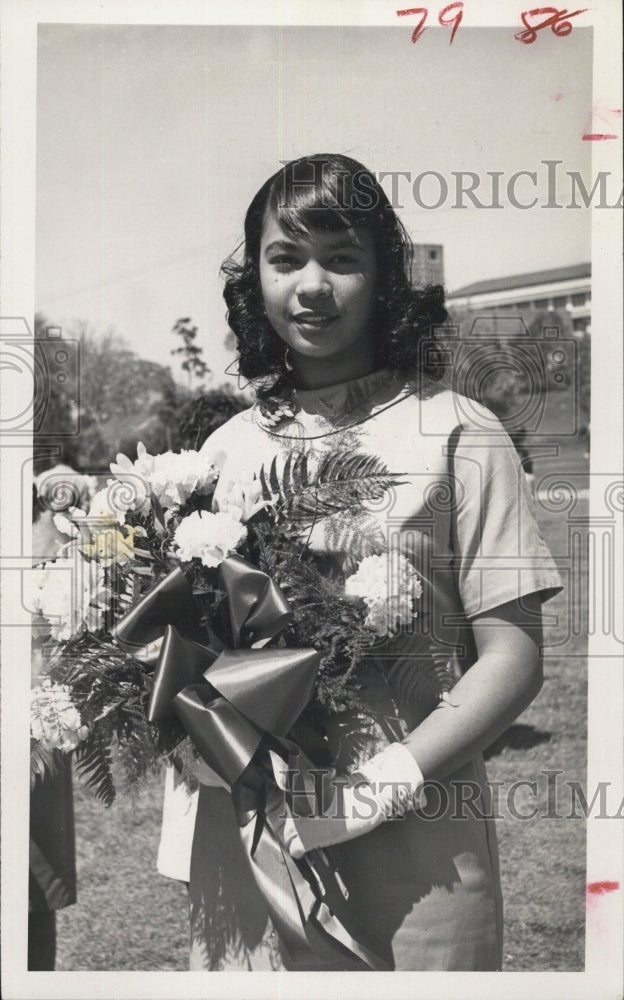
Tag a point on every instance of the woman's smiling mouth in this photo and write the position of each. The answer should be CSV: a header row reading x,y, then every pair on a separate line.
x,y
314,320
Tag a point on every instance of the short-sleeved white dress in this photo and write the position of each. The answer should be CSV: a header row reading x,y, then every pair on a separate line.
x,y
425,890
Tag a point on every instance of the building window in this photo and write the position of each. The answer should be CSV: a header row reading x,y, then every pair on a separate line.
x,y
579,324
433,255
579,299
540,304
560,302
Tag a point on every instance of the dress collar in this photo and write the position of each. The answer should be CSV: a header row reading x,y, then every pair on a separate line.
x,y
347,398
313,413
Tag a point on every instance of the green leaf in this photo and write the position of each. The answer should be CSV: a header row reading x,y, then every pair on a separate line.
x,y
159,514
94,765
273,478
340,482
424,681
357,537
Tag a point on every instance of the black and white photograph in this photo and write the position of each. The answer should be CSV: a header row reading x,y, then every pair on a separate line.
x,y
312,500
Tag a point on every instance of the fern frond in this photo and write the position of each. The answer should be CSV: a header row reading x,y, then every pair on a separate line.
x,y
94,765
267,555
340,482
357,537
423,681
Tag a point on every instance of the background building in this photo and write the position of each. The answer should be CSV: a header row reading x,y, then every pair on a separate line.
x,y
560,288
427,264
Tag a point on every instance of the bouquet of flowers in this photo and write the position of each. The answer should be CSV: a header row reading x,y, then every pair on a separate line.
x,y
174,623
158,514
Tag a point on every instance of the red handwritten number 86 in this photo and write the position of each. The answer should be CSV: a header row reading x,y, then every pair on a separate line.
x,y
443,18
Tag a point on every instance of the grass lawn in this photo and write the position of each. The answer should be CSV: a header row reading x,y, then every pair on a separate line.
x,y
128,917
567,455
543,859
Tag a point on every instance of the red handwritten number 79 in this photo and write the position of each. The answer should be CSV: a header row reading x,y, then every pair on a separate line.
x,y
454,20
443,19
420,27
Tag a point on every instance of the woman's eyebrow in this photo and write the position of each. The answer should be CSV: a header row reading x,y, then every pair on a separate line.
x,y
280,245
337,244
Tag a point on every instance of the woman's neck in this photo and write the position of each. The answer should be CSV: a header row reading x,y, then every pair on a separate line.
x,y
319,373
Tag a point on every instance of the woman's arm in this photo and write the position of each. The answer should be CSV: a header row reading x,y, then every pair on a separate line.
x,y
503,681
498,686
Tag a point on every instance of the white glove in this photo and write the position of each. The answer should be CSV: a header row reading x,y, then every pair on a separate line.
x,y
385,787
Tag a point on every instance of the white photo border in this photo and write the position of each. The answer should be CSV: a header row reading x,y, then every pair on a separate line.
x,y
605,925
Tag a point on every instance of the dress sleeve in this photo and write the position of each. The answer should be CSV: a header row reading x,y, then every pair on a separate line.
x,y
229,442
216,448
499,552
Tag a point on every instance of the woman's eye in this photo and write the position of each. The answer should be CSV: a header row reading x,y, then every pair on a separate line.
x,y
342,259
284,262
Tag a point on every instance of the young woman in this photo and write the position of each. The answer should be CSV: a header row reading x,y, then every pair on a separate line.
x,y
342,352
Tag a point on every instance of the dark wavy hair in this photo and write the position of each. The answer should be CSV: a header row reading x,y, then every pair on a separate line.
x,y
332,192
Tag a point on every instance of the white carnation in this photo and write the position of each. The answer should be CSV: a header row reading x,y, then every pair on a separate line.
x,y
174,476
209,537
54,719
389,585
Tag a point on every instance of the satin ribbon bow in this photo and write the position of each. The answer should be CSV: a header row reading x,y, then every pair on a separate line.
x,y
237,705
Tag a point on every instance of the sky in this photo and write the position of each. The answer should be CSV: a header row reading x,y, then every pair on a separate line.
x,y
152,140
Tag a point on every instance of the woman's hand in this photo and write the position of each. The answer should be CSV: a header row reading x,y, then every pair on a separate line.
x,y
502,682
327,809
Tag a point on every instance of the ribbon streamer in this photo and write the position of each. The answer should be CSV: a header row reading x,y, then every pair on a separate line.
x,y
238,707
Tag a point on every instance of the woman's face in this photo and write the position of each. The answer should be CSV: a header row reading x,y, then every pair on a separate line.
x,y
319,290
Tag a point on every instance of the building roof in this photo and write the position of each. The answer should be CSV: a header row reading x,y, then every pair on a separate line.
x,y
523,280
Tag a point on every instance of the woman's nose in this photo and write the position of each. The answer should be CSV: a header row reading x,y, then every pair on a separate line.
x,y
313,281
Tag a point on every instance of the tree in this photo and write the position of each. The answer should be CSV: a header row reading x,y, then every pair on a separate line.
x,y
501,358
192,364
55,394
122,399
584,379
554,332
203,413
485,363
110,399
